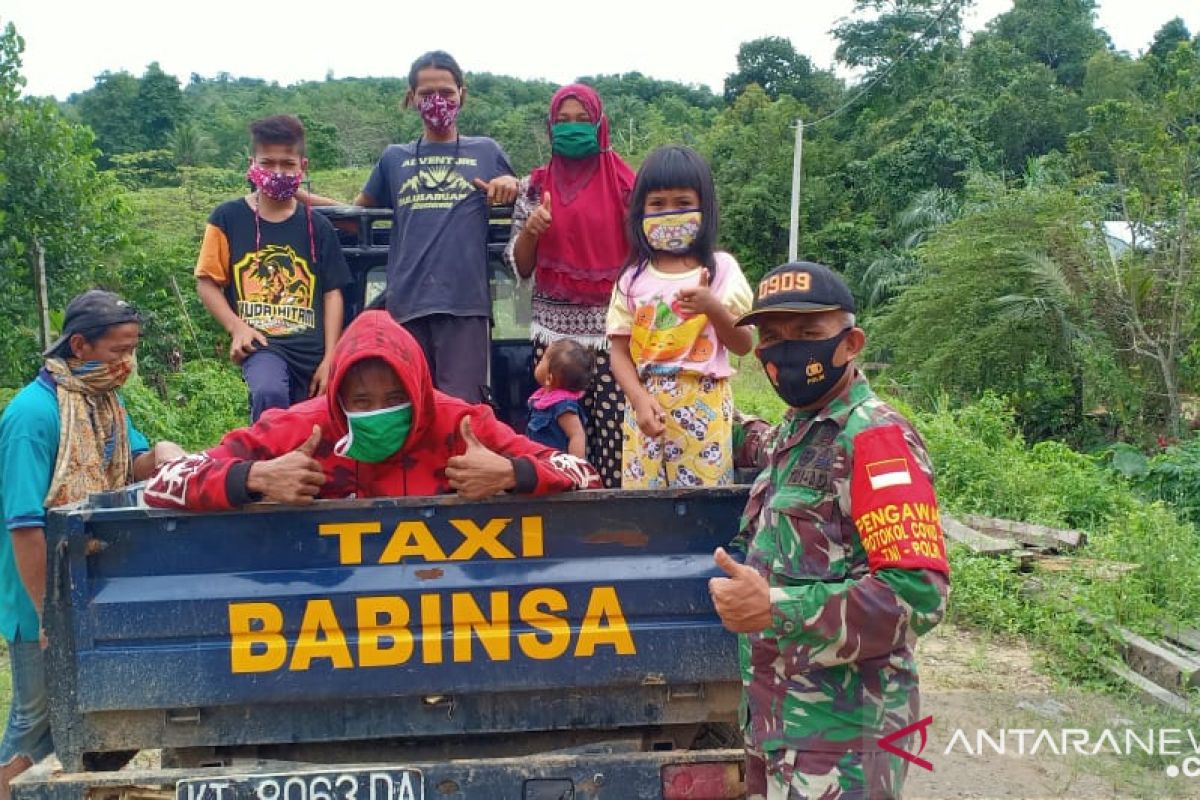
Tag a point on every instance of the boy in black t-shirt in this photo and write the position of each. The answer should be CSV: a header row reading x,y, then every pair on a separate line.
x,y
271,273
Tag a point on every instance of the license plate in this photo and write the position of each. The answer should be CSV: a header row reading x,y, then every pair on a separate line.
x,y
354,784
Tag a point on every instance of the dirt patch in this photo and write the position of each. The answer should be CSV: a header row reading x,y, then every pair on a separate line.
x,y
971,683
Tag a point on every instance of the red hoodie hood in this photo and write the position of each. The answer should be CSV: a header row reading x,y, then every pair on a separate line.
x,y
374,334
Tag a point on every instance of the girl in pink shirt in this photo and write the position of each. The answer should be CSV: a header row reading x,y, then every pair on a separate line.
x,y
671,327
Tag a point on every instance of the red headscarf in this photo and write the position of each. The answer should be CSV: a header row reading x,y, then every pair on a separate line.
x,y
583,251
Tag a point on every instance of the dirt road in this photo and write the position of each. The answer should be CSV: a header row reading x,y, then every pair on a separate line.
x,y
972,683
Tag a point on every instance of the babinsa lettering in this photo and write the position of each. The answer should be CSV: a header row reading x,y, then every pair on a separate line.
x,y
428,627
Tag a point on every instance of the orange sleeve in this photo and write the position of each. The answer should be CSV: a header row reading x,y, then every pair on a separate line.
x,y
213,261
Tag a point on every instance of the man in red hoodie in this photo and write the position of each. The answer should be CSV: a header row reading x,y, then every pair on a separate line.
x,y
381,430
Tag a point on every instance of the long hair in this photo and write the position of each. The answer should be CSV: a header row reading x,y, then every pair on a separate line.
x,y
434,59
674,167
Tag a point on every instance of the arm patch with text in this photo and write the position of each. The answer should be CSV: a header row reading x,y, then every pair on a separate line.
x,y
893,504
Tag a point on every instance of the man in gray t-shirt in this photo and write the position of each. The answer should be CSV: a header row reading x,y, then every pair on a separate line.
x,y
437,261
439,188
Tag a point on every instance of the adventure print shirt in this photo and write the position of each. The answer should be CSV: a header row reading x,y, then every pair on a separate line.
x,y
437,253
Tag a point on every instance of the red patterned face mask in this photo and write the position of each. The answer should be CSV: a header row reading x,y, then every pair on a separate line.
x,y
438,112
275,185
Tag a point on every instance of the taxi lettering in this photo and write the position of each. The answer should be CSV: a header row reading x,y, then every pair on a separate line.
x,y
413,539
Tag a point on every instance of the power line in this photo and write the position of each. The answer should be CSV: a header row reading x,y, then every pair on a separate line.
x,y
949,4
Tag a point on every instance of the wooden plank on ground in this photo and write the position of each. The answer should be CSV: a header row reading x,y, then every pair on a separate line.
x,y
1026,532
1150,688
979,543
1094,568
1166,666
1187,637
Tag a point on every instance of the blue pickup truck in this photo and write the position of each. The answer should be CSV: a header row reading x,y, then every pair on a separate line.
x,y
393,649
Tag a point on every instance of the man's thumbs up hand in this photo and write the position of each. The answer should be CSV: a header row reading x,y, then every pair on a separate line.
x,y
294,478
468,434
500,190
743,599
309,446
479,472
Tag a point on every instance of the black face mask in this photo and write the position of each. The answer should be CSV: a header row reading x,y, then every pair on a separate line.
x,y
802,371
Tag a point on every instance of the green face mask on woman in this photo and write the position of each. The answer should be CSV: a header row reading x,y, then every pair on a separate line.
x,y
574,139
375,435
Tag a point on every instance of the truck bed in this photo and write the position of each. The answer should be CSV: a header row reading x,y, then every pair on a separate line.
x,y
583,617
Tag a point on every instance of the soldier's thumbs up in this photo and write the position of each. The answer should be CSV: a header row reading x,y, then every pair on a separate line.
x,y
743,599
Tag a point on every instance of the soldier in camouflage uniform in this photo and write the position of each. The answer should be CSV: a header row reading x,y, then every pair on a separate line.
x,y
844,560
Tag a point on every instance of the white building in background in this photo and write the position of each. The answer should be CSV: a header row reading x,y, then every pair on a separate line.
x,y
1120,235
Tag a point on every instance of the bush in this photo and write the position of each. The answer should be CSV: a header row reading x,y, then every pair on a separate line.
x,y
205,400
984,466
1172,476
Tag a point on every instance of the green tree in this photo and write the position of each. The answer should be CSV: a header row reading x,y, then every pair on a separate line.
x,y
1061,34
110,109
980,317
1167,38
1148,152
937,149
750,150
320,139
899,265
160,105
50,197
773,63
189,146
904,45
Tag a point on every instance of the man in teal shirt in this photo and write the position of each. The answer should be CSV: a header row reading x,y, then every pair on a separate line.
x,y
63,436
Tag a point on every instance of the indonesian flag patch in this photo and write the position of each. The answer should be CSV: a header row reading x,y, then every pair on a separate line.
x,y
893,504
889,472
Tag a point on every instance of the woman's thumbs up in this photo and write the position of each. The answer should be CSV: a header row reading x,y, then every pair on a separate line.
x,y
540,218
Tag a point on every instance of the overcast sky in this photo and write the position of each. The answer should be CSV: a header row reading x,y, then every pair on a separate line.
x,y
68,43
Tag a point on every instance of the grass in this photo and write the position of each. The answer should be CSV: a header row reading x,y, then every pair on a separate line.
x,y
753,392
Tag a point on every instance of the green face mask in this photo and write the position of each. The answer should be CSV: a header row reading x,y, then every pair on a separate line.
x,y
575,139
375,435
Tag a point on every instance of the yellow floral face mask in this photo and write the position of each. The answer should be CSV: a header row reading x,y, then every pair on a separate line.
x,y
672,231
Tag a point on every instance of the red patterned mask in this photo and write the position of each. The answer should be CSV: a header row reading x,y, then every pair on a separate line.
x,y
275,185
438,112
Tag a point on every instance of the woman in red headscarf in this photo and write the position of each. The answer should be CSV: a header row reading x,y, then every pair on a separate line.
x,y
569,235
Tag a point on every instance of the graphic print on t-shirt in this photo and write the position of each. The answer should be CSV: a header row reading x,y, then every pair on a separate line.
x,y
436,183
275,288
662,331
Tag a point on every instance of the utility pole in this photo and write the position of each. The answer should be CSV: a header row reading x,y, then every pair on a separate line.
x,y
37,263
797,158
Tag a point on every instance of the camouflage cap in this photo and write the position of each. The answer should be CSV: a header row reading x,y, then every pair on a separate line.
x,y
800,287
